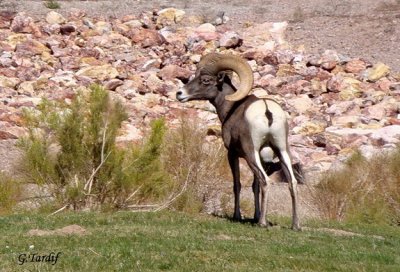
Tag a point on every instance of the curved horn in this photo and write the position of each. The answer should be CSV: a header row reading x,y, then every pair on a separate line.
x,y
213,63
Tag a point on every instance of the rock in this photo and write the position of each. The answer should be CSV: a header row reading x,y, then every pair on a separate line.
x,y
154,84
301,104
129,133
76,14
31,48
334,84
350,93
207,27
102,27
24,24
64,79
377,112
278,32
5,135
355,66
169,16
350,88
151,64
8,82
230,39
310,128
133,24
146,37
386,135
6,17
349,121
67,29
378,71
285,70
328,65
27,87
330,55
131,87
257,34
318,87
87,22
173,71
55,18
101,72
341,107
206,32
285,56
348,137
113,84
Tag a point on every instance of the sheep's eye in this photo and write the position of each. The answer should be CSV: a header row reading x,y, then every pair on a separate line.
x,y
205,81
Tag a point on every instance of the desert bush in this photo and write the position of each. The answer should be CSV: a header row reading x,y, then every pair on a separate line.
x,y
366,190
52,4
9,193
71,149
298,15
193,160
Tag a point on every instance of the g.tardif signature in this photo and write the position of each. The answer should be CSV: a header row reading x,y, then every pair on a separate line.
x,y
51,258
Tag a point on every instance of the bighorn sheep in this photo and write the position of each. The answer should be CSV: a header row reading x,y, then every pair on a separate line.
x,y
252,128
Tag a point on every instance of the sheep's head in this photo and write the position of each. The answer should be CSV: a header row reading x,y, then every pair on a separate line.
x,y
209,75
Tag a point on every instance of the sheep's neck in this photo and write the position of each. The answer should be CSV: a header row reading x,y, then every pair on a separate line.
x,y
222,105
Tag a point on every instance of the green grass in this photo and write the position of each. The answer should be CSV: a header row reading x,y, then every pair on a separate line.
x,y
169,241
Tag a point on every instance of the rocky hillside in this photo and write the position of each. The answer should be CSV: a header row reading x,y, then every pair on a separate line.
x,y
336,104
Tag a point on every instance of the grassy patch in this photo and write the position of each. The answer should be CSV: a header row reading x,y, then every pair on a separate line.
x,y
170,241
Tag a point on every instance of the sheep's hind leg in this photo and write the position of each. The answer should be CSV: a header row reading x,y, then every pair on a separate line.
x,y
285,160
255,165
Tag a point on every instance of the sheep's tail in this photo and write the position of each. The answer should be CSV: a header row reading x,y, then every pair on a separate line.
x,y
268,113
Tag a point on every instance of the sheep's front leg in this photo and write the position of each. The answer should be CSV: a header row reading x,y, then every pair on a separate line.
x,y
234,164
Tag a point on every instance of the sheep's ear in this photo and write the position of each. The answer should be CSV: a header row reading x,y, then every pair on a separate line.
x,y
221,77
224,77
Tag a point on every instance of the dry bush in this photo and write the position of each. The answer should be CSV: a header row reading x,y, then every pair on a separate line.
x,y
10,193
366,190
200,163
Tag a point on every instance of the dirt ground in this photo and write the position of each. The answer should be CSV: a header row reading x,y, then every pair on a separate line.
x,y
368,29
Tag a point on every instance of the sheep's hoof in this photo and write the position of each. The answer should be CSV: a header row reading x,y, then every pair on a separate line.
x,y
237,218
296,228
263,224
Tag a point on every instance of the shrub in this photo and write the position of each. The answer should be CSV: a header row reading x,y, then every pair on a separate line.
x,y
200,163
9,193
71,149
52,4
363,189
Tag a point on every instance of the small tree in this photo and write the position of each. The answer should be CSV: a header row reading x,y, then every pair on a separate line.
x,y
71,149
